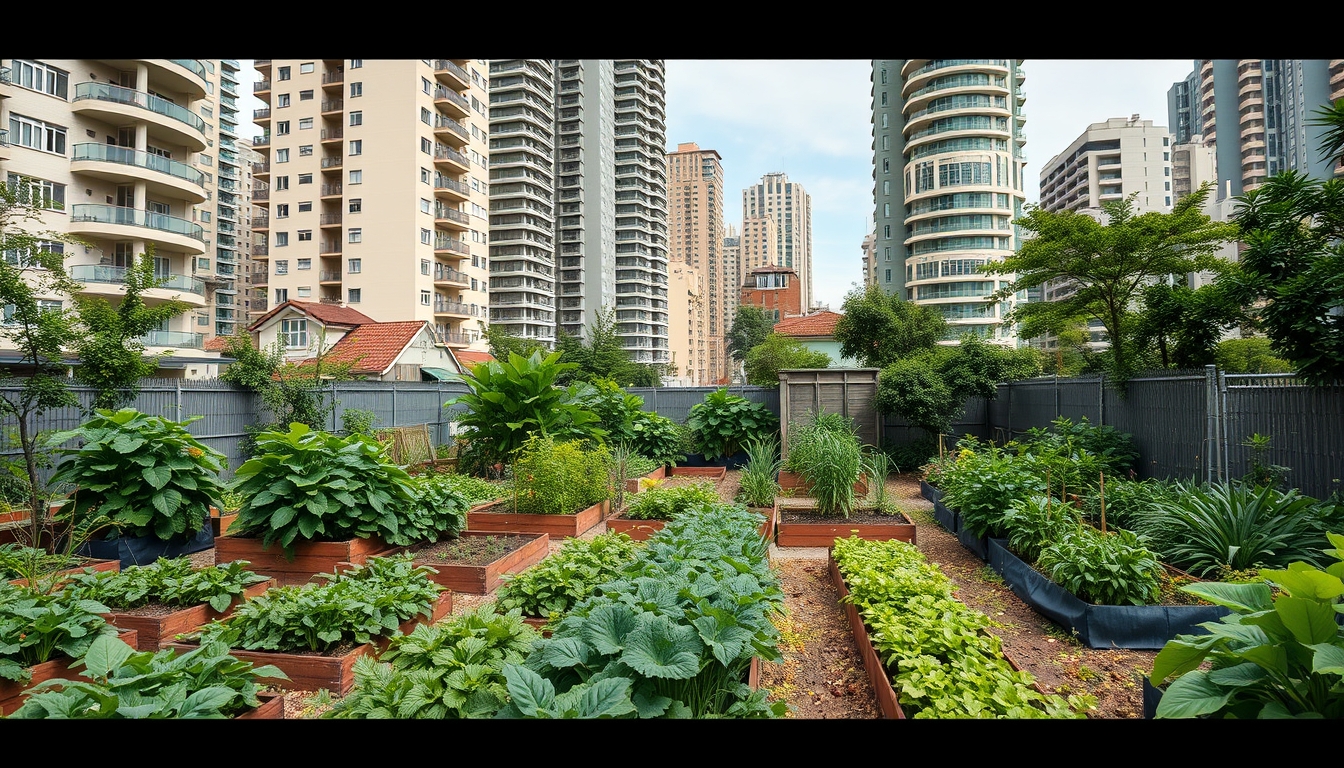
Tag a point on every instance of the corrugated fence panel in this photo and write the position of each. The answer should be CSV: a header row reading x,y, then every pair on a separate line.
x,y
1305,426
1168,418
675,402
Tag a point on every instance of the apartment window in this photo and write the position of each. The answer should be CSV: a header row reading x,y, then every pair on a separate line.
x,y
425,117
357,146
424,266
281,240
353,296
356,235
1166,155
356,63
352,266
304,235
281,183
884,77
426,86
305,291
281,100
424,298
206,160
356,177
35,134
283,73
356,90
886,230
888,275
305,263
1166,171
41,77
426,237
885,142
886,253
24,256
282,266
305,150
307,67
305,178
884,98
426,146
424,175
305,123
886,210
39,192
356,118
356,204
282,128
305,206
424,205
886,187
282,155
305,95
295,333
281,295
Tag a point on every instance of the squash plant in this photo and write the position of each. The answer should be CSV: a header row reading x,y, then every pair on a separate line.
x,y
314,486
122,683
173,582
37,627
553,586
723,423
146,473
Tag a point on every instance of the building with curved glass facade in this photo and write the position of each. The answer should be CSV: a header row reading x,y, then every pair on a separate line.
x,y
949,178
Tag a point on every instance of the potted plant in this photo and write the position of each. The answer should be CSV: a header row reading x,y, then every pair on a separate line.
x,y
312,500
649,511
722,425
118,682
168,597
547,590
557,488
153,481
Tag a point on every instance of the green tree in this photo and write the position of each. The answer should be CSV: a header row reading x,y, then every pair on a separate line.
x,y
1331,118
1108,264
502,344
112,356
602,356
1185,325
30,271
751,325
767,359
1249,355
1292,270
877,329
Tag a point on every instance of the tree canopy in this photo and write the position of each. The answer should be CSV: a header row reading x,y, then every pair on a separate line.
x,y
603,356
751,325
776,353
877,329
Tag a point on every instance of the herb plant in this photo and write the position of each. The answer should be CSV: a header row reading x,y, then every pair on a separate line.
x,y
757,483
723,423
314,486
1103,568
173,582
122,683
439,509
1115,451
37,627
666,502
557,583
551,478
473,490
146,473
981,484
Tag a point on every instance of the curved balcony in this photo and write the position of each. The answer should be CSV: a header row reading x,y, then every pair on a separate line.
x,y
450,74
451,102
108,281
173,339
119,223
176,75
166,121
120,164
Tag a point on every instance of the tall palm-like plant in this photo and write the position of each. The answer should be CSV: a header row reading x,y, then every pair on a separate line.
x,y
1331,118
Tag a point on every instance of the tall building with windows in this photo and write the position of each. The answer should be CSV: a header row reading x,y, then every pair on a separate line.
x,y
132,156
1111,161
376,189
791,208
949,178
732,275
695,202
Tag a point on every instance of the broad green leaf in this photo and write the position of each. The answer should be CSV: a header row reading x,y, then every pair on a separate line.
x,y
1309,620
1238,675
157,476
1328,659
562,653
106,654
208,701
1246,598
530,692
1303,581
659,648
1273,658
1180,656
609,697
606,627
1191,695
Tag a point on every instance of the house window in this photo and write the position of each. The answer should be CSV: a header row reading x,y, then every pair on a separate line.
x,y
305,291
282,266
356,118
356,235
304,234
305,150
306,206
352,266
307,67
356,204
424,205
281,240
281,100
282,155
295,333
424,298
357,147
38,192
356,177
356,90
356,63
283,74
305,263
425,116
41,77
425,237
35,134
281,183
305,95
281,295
282,128
424,266
305,178
305,123
353,296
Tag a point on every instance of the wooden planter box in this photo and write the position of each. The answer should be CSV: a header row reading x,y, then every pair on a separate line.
x,y
12,693
792,481
220,521
887,699
632,483
310,557
155,632
272,707
312,672
483,579
95,564
641,530
713,473
556,526
821,534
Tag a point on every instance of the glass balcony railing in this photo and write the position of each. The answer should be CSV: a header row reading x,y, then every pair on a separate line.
x,y
111,214
192,64
127,156
99,273
119,95
181,339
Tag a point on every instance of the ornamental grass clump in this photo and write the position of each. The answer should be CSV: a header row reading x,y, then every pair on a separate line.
x,y
757,484
559,478
827,454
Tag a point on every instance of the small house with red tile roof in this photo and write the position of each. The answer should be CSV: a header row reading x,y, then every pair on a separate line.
x,y
816,331
301,326
470,357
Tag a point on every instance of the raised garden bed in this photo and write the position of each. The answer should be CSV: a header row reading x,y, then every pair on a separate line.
x,y
793,484
155,631
310,557
632,484
220,521
12,693
272,707
641,530
526,550
1139,627
85,562
713,473
887,700
951,521
797,525
697,460
556,526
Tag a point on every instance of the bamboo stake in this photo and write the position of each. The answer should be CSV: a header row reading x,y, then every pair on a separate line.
x,y
1103,501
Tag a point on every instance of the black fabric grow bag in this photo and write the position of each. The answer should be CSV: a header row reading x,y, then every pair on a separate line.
x,y
144,550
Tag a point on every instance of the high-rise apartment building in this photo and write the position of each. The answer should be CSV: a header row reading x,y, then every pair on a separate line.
x,y
695,234
949,178
758,244
377,189
247,294
869,258
732,273
1111,161
132,156
686,326
791,207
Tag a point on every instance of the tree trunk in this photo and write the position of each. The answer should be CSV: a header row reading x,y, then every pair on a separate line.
x,y
37,516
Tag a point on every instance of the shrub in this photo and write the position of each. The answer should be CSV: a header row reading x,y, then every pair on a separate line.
x,y
1035,522
1115,450
146,473
473,490
359,421
980,485
723,423
914,454
551,478
615,408
37,627
1103,568
556,584
657,437
665,503
439,509
315,486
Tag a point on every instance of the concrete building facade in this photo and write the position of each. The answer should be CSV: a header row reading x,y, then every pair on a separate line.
x,y
790,206
1111,160
695,235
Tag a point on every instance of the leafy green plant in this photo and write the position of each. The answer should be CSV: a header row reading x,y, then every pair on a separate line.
x,y
831,472
1103,568
803,436
1274,656
551,478
314,486
942,659
666,502
757,483
656,437
172,582
451,669
981,484
146,473
556,584
122,683
21,562
356,606
1115,450
1127,500
877,465
37,627
1259,469
723,423
439,510
473,490
1036,522
358,421
615,408
1229,525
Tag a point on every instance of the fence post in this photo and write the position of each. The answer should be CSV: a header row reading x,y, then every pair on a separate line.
x,y
394,405
1101,400
1211,461
1056,395
177,398
1222,420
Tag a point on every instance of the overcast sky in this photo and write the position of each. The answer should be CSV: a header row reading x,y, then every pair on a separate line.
x,y
811,120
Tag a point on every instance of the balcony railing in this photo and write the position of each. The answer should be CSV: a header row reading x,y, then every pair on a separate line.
x,y
331,162
443,182
259,168
258,305
261,194
183,339
453,96
452,215
449,244
4,75
331,189
442,121
328,276
332,78
333,105
119,95
445,153
329,219
112,214
450,275
331,248
98,273
261,250
192,64
332,133
452,307
261,114
261,85
262,140
444,65
261,222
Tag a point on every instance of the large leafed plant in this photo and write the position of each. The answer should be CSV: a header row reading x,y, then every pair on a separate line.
x,y
724,423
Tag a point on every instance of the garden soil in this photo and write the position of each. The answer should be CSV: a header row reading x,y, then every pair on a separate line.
x,y
821,675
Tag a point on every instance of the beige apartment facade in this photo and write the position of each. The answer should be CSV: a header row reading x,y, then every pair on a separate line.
x,y
759,242
695,236
129,156
686,327
791,208
375,190
1110,161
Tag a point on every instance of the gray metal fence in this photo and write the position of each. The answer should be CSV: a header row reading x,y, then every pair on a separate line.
x,y
675,402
